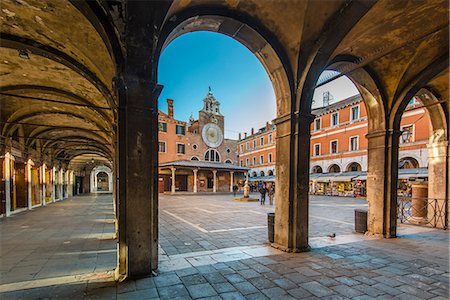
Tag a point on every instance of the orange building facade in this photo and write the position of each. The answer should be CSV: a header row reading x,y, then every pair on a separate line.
x,y
338,148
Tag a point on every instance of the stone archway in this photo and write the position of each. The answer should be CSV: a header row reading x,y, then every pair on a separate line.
x,y
101,180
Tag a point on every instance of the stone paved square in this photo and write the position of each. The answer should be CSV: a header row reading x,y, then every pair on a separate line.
x,y
71,255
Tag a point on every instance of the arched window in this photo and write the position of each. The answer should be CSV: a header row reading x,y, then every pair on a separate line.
x,y
261,173
194,158
102,181
408,163
354,167
334,169
270,173
317,169
253,174
228,161
212,155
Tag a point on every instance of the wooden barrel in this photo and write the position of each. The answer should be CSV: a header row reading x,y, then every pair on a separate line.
x,y
270,225
361,220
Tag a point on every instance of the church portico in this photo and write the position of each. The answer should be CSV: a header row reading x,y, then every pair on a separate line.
x,y
200,177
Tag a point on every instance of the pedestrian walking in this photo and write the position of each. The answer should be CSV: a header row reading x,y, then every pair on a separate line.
x,y
235,189
263,191
271,193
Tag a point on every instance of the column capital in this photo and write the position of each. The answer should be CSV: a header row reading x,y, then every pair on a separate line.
x,y
195,170
231,172
173,169
214,171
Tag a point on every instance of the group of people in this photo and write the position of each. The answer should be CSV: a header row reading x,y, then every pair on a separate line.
x,y
263,188
268,189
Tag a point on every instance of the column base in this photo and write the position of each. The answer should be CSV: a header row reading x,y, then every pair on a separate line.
x,y
418,220
291,250
379,235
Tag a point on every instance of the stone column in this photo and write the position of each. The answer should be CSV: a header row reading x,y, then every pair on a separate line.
x,y
246,176
173,179
8,184
231,181
61,185
214,181
43,184
53,184
438,182
195,180
30,203
292,182
382,173
137,132
419,202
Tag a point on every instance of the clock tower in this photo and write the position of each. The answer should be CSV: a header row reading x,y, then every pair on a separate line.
x,y
211,121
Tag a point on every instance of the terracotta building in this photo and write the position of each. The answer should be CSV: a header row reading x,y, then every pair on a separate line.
x,y
338,162
195,156
257,152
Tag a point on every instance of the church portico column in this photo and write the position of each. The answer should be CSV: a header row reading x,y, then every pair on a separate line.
x,y
231,181
214,181
43,167
173,169
29,197
382,174
195,180
438,183
8,184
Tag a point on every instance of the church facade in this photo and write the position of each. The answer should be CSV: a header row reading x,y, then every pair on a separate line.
x,y
195,156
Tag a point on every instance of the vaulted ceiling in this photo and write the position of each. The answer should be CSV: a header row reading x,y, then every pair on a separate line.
x,y
58,63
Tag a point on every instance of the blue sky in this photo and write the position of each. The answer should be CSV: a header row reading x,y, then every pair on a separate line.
x,y
194,61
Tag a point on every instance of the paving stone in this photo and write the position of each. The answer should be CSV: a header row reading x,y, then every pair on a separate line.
x,y
215,277
415,291
347,281
284,283
299,293
245,288
297,278
139,294
316,289
368,290
274,293
201,290
145,283
261,283
193,279
234,278
173,291
387,289
346,291
166,280
232,296
223,287
187,271
249,273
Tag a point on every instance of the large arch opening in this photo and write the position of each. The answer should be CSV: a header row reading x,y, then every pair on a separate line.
x,y
225,164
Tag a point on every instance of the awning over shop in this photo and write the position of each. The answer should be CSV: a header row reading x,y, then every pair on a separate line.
x,y
262,178
413,173
336,177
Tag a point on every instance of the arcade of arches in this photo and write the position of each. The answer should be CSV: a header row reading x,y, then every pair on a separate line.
x,y
79,85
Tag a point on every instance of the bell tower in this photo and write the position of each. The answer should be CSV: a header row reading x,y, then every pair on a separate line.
x,y
210,113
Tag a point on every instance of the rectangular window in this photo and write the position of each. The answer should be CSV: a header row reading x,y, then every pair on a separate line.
x,y
316,149
247,162
162,126
254,144
334,147
317,124
241,163
162,146
261,141
335,119
354,113
180,129
270,157
353,143
180,148
254,160
248,145
242,148
407,135
270,139
261,159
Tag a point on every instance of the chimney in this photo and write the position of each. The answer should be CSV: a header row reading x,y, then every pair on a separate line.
x,y
245,135
253,131
240,136
170,107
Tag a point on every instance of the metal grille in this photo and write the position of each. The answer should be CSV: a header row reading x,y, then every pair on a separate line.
x,y
423,211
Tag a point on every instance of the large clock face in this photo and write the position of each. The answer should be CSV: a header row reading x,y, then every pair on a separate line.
x,y
212,135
